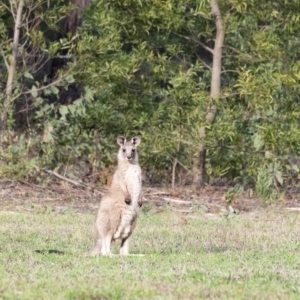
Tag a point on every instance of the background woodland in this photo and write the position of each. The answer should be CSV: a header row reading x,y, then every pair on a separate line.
x,y
212,87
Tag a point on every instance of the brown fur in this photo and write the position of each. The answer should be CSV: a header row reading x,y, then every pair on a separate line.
x,y
118,210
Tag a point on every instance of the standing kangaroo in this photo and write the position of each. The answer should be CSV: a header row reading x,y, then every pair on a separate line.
x,y
118,211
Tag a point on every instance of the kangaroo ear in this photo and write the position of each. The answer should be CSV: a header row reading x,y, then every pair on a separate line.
x,y
136,140
121,140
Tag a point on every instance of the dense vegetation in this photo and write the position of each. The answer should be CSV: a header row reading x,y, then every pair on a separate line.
x,y
145,67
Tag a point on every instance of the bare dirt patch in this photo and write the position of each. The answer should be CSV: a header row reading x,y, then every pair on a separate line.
x,y
60,197
20,196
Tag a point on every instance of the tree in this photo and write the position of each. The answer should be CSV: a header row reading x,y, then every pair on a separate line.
x,y
155,68
40,33
35,70
199,170
11,68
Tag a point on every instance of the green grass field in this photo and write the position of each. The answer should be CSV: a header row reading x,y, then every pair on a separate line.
x,y
252,256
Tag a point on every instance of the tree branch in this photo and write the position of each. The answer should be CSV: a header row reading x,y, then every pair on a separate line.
x,y
206,47
196,41
4,58
12,10
13,60
205,64
28,92
231,71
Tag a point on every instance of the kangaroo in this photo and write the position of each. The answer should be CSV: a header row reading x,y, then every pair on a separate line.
x,y
118,210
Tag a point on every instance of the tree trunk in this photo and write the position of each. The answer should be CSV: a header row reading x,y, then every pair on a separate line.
x,y
11,67
199,170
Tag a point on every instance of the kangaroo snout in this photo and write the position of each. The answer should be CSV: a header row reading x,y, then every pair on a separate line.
x,y
129,153
128,156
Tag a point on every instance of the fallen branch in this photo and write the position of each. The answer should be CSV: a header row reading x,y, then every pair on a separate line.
x,y
170,200
293,208
185,211
74,182
156,193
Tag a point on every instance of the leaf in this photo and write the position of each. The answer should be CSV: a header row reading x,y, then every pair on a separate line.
x,y
34,92
72,109
70,79
89,94
15,149
231,209
54,90
258,142
48,133
28,75
63,110
295,168
278,175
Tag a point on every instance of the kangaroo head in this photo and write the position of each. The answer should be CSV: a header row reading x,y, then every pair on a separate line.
x,y
127,150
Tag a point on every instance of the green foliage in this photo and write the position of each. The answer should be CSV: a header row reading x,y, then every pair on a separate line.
x,y
14,161
141,89
265,183
144,68
257,117
232,192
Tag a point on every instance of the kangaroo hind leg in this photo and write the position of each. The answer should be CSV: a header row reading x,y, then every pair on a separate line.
x,y
124,250
97,248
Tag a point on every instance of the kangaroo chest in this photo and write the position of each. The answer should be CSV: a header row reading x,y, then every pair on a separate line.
x,y
129,180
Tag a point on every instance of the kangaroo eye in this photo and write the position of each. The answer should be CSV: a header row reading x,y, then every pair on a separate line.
x,y
124,150
133,150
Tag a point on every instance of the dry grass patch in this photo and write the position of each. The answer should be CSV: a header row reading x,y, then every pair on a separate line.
x,y
250,256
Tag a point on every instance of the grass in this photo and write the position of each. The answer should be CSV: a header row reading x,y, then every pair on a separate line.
x,y
252,256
